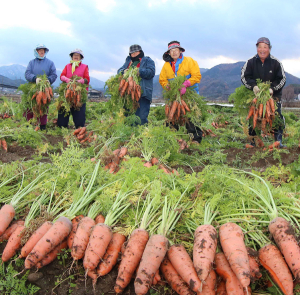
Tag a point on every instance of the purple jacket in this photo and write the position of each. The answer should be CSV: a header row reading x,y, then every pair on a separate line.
x,y
39,67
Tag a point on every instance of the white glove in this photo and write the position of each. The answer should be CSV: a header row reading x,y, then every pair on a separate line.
x,y
38,80
125,71
271,91
255,89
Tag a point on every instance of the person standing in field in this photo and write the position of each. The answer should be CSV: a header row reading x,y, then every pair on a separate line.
x,y
146,67
177,64
266,67
40,66
74,68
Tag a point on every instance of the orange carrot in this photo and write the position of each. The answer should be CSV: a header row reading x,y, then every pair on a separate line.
x,y
7,214
272,105
82,131
154,161
35,237
44,98
268,109
99,219
232,241
37,128
76,132
13,244
80,136
178,110
173,278
111,256
185,105
75,222
174,171
182,109
183,264
52,255
251,112
163,168
254,266
53,237
221,288
4,144
276,144
121,84
100,238
156,278
172,110
39,98
272,260
34,96
254,101
131,258
153,255
167,110
50,91
82,237
255,116
210,284
233,285
123,90
148,164
285,239
123,152
260,110
8,232
248,146
205,245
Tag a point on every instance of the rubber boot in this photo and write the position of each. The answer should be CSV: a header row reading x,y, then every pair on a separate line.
x,y
43,127
278,137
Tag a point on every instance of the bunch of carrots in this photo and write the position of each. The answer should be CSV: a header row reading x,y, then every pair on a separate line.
x,y
262,109
113,162
42,97
129,84
176,110
73,94
81,135
3,144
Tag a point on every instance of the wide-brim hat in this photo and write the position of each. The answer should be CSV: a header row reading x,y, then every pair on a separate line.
x,y
42,46
77,51
174,44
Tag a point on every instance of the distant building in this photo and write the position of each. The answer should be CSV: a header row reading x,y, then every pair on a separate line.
x,y
94,94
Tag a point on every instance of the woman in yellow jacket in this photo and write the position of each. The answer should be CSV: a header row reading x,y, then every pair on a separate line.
x,y
177,64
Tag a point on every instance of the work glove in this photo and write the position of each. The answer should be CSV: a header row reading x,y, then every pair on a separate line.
x,y
38,80
185,84
255,90
125,71
65,79
271,92
81,81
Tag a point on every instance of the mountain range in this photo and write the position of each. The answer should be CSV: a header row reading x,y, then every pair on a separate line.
x,y
17,72
216,83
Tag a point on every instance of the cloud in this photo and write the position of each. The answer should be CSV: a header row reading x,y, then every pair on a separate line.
x,y
213,61
105,5
37,16
292,66
103,76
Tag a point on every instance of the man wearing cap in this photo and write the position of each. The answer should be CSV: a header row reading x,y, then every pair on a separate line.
x,y
74,68
146,67
177,64
40,66
266,67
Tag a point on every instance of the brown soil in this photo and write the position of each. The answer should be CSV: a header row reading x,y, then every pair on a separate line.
x,y
19,153
48,276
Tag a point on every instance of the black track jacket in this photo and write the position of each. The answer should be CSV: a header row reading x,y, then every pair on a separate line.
x,y
271,70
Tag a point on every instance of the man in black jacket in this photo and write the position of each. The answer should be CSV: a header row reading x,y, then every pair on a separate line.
x,y
266,67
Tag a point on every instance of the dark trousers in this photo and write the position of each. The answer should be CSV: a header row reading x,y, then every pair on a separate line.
x,y
191,129
78,117
143,111
278,130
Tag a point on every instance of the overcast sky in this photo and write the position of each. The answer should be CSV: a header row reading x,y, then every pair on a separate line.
x,y
211,31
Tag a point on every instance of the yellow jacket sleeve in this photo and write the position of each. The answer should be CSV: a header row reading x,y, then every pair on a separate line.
x,y
194,70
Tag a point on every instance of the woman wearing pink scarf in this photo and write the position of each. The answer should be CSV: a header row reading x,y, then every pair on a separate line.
x,y
74,68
